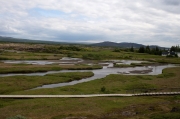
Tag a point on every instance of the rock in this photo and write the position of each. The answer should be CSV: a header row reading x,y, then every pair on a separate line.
x,y
129,113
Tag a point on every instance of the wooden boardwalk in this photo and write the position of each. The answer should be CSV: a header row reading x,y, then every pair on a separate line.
x,y
86,96
64,96
156,93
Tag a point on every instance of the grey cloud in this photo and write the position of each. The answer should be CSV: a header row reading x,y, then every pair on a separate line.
x,y
172,6
140,21
172,2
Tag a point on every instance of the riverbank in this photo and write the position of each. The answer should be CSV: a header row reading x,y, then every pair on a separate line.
x,y
21,83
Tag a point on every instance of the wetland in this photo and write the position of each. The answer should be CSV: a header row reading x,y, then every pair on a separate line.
x,y
57,70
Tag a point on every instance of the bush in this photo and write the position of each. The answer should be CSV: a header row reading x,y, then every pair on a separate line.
x,y
116,50
71,48
92,56
103,89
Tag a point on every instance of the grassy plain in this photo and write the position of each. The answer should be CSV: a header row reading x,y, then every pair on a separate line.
x,y
16,51
29,68
156,107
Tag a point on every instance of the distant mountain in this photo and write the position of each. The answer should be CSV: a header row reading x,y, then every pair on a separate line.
x,y
129,45
122,45
19,40
101,44
113,44
106,44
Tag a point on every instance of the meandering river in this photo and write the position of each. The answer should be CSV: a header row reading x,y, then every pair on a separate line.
x,y
101,73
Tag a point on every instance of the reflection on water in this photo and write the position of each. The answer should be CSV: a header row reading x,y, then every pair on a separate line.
x,y
127,61
101,73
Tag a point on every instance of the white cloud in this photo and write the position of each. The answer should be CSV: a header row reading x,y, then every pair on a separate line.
x,y
139,21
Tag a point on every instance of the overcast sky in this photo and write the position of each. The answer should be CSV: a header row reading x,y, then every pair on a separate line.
x,y
149,22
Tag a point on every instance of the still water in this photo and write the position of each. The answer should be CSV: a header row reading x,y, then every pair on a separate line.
x,y
101,73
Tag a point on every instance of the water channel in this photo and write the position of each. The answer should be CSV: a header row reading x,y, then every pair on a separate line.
x,y
101,73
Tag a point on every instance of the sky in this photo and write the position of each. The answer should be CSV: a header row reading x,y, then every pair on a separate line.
x,y
148,22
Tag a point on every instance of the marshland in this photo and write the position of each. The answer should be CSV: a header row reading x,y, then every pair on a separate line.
x,y
62,69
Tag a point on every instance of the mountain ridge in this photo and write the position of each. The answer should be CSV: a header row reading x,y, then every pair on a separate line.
x,y
101,44
122,45
21,40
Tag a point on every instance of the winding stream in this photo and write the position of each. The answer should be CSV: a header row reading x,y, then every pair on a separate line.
x,y
101,73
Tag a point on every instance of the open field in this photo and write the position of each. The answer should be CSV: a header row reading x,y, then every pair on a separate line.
x,y
155,107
